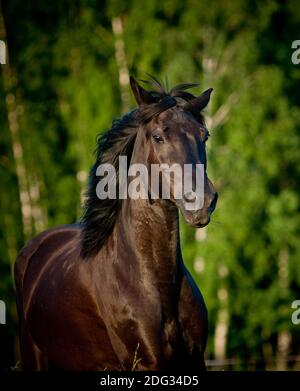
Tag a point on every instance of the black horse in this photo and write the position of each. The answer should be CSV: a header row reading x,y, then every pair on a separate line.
x,y
112,292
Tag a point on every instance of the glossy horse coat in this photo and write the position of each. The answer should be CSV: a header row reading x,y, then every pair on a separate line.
x,y
112,292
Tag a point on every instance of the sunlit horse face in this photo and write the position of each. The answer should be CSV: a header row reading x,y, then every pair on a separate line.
x,y
176,136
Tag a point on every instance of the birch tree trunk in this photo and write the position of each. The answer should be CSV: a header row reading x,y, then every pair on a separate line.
x,y
117,27
33,216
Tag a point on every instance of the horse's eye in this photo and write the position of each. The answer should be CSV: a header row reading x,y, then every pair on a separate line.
x,y
158,139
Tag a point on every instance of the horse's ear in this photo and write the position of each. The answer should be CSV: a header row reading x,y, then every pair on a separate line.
x,y
141,96
202,100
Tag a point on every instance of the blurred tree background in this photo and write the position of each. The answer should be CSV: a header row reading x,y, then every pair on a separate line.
x,y
67,77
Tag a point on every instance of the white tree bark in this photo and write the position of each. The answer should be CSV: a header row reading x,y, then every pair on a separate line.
x,y
117,27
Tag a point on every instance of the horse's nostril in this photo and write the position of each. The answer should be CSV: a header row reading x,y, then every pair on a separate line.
x,y
213,203
190,196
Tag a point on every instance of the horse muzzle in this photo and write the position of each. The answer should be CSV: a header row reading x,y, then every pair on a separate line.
x,y
201,217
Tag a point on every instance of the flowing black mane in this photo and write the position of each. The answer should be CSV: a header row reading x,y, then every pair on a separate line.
x,y
99,216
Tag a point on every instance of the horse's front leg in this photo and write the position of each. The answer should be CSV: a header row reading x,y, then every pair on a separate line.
x,y
192,316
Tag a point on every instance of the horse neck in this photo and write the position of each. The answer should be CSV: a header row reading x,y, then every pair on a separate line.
x,y
153,233
150,236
